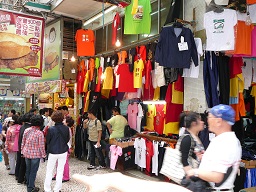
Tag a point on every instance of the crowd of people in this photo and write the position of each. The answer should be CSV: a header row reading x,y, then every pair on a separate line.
x,y
32,138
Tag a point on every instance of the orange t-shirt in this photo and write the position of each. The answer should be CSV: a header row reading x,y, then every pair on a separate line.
x,y
121,57
243,39
85,42
251,1
91,67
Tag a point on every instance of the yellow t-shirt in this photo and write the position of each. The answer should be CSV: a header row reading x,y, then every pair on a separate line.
x,y
86,106
108,81
86,81
150,117
137,73
177,96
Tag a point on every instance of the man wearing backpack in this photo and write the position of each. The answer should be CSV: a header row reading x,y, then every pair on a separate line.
x,y
116,124
94,131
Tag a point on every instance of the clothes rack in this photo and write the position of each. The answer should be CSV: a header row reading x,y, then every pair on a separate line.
x,y
155,138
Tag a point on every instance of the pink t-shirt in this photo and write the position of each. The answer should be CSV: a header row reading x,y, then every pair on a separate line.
x,y
132,115
115,152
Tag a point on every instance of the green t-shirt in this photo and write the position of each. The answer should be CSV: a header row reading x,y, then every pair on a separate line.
x,y
140,22
117,123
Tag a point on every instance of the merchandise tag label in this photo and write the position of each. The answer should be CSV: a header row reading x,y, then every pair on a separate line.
x,y
183,46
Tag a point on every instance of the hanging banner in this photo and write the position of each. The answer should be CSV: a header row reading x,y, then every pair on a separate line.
x,y
45,87
52,54
21,44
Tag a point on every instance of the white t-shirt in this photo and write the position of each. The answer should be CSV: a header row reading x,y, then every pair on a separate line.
x,y
220,30
139,117
155,158
247,73
140,152
224,151
193,71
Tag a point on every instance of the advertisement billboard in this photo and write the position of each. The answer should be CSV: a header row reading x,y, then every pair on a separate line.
x,y
21,44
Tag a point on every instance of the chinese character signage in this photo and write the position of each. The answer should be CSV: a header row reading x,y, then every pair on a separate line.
x,y
52,54
56,86
21,44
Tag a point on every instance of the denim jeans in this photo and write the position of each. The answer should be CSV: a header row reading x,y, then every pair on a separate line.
x,y
98,152
32,166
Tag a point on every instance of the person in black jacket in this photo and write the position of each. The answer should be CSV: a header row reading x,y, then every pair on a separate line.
x,y
57,148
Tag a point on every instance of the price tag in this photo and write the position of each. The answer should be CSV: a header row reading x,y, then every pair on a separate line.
x,y
73,70
183,46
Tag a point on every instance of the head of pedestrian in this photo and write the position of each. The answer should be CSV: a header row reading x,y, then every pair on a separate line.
x,y
116,111
221,118
191,121
57,117
92,114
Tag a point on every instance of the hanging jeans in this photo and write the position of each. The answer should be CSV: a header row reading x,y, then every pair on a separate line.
x,y
210,74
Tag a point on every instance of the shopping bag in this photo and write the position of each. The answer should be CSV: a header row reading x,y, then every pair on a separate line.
x,y
172,166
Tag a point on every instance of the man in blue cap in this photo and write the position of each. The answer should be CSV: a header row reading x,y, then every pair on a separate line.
x,y
220,162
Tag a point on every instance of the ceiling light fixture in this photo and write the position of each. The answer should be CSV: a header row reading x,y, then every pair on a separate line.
x,y
118,43
99,15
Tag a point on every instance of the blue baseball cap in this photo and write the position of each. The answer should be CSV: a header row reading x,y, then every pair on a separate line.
x,y
225,112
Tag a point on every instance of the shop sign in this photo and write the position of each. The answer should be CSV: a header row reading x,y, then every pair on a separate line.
x,y
52,54
45,87
21,44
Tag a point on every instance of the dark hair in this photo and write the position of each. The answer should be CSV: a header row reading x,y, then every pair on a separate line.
x,y
70,121
187,118
15,119
41,112
57,116
44,110
65,108
92,112
13,111
21,119
27,117
32,110
59,108
116,109
18,113
36,120
50,111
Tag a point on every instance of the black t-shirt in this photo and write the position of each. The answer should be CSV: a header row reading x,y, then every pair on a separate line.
x,y
94,104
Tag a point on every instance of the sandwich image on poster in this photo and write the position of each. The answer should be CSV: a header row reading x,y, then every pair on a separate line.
x,y
21,44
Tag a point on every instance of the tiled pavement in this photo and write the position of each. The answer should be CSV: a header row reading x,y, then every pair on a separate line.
x,y
9,184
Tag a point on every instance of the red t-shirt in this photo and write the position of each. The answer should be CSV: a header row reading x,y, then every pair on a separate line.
x,y
149,155
125,79
85,42
235,65
148,94
148,69
159,119
141,53
97,87
115,25
80,77
173,111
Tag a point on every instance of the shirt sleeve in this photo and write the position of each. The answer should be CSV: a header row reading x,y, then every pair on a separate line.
x,y
194,53
185,146
99,126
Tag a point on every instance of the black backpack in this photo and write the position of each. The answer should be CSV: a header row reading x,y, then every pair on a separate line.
x,y
128,131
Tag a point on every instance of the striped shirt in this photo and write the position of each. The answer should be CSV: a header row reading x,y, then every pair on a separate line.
x,y
32,145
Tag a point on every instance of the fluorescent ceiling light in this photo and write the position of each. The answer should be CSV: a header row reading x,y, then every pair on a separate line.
x,y
99,15
163,102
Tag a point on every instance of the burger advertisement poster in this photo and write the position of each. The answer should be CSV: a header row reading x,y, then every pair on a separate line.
x,y
21,44
52,54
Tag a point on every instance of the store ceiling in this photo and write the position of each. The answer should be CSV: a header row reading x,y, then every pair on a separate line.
x,y
79,9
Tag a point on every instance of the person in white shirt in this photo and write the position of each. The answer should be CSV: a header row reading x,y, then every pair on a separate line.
x,y
220,162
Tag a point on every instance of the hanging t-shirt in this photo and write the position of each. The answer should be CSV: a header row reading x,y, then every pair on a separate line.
x,y
254,42
124,106
80,77
121,57
125,79
155,158
91,67
140,152
132,115
140,22
108,80
247,72
220,30
115,25
148,69
137,73
86,81
150,117
149,155
139,117
251,1
115,152
193,71
159,118
85,42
